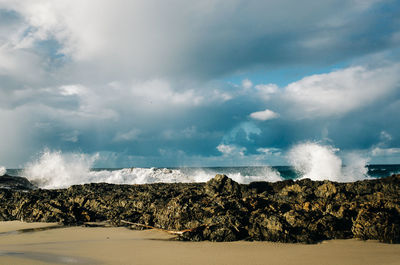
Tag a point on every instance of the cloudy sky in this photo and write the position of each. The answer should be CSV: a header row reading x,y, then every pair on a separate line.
x,y
198,83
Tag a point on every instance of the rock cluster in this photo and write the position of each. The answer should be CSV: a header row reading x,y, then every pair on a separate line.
x,y
16,183
223,210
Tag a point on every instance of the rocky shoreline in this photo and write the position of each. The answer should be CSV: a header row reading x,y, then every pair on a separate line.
x,y
220,210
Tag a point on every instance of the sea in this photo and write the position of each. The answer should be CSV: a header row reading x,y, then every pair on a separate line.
x,y
54,169
63,177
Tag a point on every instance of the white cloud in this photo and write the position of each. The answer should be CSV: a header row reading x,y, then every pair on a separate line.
x,y
266,90
264,115
247,84
20,64
160,92
270,151
377,151
231,150
70,90
221,95
341,91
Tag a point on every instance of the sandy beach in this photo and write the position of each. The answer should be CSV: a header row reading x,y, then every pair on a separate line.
x,y
109,245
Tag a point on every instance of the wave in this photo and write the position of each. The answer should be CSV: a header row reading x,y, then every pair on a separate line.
x,y
320,162
54,169
58,170
3,171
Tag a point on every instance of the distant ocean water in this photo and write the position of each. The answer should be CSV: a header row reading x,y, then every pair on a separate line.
x,y
51,178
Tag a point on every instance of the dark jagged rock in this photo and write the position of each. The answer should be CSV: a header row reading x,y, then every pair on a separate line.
x,y
221,209
16,183
381,223
222,185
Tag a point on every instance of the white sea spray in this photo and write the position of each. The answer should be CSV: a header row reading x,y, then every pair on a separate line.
x,y
320,162
58,170
3,171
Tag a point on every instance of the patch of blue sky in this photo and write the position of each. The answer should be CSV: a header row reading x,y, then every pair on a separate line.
x,y
8,16
52,50
283,76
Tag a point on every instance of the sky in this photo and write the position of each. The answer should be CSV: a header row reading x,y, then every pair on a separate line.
x,y
198,83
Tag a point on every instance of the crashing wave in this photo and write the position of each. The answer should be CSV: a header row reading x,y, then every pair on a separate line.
x,y
3,171
309,160
58,170
320,162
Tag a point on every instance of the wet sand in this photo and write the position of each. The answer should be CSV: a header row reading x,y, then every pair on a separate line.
x,y
100,245
16,225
